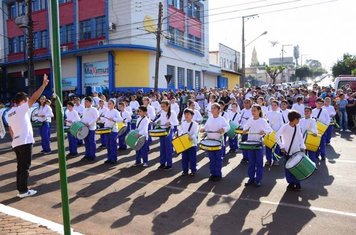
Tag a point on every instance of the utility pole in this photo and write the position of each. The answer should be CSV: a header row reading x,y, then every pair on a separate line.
x,y
158,46
242,82
30,48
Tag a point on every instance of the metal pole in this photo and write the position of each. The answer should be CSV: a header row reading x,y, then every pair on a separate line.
x,y
30,47
158,46
242,82
56,65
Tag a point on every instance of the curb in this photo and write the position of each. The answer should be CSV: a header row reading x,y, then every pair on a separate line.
x,y
55,227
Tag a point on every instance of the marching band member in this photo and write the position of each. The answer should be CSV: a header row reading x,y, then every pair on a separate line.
x,y
189,156
72,116
321,115
80,110
175,109
284,110
246,113
127,107
111,118
90,116
167,119
142,127
332,113
197,117
134,103
299,106
309,124
155,104
151,114
261,102
290,139
234,117
275,121
126,117
102,111
78,107
212,100
226,116
258,127
215,127
45,115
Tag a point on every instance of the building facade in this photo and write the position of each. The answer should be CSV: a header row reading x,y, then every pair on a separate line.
x,y
108,45
228,60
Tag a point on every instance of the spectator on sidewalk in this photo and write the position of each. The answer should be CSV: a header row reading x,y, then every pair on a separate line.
x,y
22,137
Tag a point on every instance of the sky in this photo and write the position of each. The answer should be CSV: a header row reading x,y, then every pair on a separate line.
x,y
323,32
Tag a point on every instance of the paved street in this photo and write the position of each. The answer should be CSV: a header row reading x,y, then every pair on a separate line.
x,y
122,199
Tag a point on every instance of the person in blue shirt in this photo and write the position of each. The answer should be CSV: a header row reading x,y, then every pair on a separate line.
x,y
342,113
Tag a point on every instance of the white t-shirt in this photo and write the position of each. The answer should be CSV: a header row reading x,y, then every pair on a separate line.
x,y
284,138
19,121
254,127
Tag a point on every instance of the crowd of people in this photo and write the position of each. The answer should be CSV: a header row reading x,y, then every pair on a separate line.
x,y
218,121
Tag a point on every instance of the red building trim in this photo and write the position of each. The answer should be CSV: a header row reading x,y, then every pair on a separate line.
x,y
90,9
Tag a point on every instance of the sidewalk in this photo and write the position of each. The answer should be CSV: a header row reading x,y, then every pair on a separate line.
x,y
12,225
14,221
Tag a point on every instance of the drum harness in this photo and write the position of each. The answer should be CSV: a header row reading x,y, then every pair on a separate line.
x,y
291,143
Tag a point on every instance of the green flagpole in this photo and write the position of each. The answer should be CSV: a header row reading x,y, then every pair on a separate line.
x,y
56,68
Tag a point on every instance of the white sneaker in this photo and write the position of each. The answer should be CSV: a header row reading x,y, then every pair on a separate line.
x,y
145,165
29,193
348,130
341,129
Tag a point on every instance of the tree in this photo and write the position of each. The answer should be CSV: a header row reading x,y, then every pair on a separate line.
x,y
315,67
303,72
346,66
273,72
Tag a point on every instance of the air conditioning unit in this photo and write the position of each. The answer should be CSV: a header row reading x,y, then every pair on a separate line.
x,y
64,48
112,26
102,42
22,21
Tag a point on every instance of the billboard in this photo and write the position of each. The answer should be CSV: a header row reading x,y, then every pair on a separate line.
x,y
96,76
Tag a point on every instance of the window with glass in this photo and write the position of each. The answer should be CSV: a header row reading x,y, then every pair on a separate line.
x,y
22,9
85,30
197,80
171,71
12,11
69,33
64,1
181,77
176,37
197,9
11,45
190,79
21,43
44,39
100,26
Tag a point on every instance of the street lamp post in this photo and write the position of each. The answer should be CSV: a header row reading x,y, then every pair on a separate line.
x,y
244,19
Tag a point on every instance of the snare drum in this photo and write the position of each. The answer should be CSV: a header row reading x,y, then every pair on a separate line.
x,y
210,145
182,143
270,140
134,142
122,128
158,132
239,131
205,118
79,130
300,166
312,142
250,145
321,127
231,133
102,131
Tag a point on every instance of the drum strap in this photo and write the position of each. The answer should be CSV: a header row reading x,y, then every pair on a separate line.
x,y
138,124
242,116
190,127
234,116
284,121
319,114
291,143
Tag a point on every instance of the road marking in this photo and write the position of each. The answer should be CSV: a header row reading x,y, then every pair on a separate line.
x,y
342,161
34,219
290,205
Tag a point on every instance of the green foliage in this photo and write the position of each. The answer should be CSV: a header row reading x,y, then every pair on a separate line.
x,y
274,71
303,72
346,66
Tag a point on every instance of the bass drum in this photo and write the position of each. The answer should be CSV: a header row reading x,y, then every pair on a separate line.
x,y
33,112
5,116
